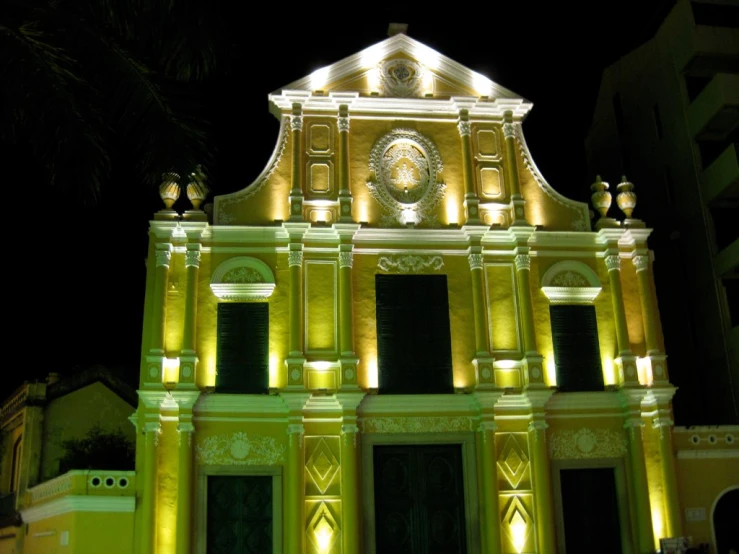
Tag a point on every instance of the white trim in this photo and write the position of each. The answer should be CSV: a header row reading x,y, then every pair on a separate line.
x,y
79,503
707,454
571,294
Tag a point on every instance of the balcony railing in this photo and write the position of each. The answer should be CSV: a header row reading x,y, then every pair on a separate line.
x,y
84,483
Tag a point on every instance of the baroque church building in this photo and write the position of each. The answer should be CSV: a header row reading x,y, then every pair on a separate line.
x,y
401,339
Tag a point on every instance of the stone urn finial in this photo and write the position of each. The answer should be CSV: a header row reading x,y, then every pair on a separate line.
x,y
601,198
169,190
197,189
626,197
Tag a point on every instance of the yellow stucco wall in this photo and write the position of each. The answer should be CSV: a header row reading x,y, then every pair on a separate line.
x,y
68,417
86,533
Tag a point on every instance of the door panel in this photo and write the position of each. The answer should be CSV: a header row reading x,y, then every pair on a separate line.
x,y
239,514
419,499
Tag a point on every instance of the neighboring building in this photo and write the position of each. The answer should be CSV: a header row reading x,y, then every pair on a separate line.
x,y
667,117
42,510
400,338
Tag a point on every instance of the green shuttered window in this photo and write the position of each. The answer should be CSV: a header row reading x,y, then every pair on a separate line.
x,y
576,350
413,334
242,360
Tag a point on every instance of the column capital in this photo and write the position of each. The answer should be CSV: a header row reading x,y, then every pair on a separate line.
x,y
613,262
346,259
641,263
634,423
349,428
523,261
192,258
538,425
509,130
475,261
342,122
487,426
465,128
163,254
295,258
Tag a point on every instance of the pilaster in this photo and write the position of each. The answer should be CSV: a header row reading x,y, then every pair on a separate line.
x,y
533,361
345,195
625,361
297,194
517,200
471,200
188,356
155,356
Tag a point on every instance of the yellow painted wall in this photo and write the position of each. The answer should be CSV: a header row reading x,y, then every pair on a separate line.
x,y
88,533
69,417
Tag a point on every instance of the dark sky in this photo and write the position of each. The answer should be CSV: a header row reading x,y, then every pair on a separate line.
x,y
77,292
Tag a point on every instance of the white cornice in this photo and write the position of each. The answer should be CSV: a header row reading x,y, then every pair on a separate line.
x,y
77,503
240,403
178,230
275,235
301,91
376,405
563,239
416,237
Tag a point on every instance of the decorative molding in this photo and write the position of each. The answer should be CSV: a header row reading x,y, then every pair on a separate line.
x,y
582,210
79,503
706,454
346,259
239,448
265,405
417,424
296,123
587,443
523,261
410,263
222,201
613,262
465,128
475,261
295,258
405,169
570,282
243,278
641,263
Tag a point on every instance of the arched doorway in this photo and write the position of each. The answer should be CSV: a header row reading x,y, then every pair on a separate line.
x,y
725,529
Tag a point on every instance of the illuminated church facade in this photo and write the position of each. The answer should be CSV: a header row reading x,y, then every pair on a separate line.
x,y
401,338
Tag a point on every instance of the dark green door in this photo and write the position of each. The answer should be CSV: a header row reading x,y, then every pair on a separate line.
x,y
590,511
419,499
239,514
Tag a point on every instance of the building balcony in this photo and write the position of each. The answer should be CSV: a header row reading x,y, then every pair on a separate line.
x,y
705,50
727,260
715,112
720,180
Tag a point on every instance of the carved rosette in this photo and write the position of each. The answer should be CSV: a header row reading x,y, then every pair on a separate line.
x,y
641,263
523,261
296,122
163,258
405,176
343,124
410,263
613,262
475,261
192,258
401,78
295,257
346,259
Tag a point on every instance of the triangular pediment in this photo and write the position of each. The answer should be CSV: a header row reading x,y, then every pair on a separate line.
x,y
396,70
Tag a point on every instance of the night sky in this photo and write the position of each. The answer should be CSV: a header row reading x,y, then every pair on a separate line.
x,y
75,296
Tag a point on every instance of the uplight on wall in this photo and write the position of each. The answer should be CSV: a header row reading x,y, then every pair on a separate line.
x,y
550,371
171,371
373,379
518,531
323,533
644,371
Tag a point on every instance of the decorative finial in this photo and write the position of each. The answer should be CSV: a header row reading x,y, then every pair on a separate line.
x,y
197,189
169,190
626,197
601,198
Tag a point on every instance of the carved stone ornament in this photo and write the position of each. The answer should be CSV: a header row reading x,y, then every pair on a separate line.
x,y
402,78
523,261
163,258
243,278
296,122
346,259
419,424
465,129
641,263
405,169
613,262
571,282
569,279
509,130
295,257
192,258
475,261
410,263
343,124
587,443
240,449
